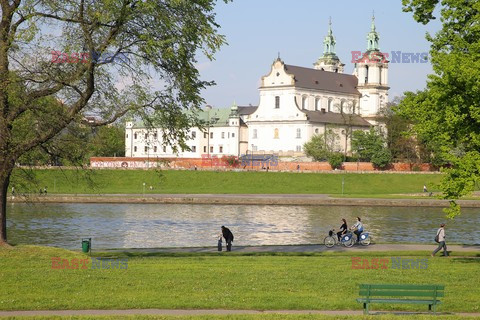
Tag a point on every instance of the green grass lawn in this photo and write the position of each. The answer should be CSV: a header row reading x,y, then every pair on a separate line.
x,y
226,282
229,182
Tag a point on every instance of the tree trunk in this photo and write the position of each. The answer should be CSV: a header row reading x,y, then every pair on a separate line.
x,y
5,172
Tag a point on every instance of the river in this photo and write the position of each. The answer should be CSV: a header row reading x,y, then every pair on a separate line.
x,y
183,225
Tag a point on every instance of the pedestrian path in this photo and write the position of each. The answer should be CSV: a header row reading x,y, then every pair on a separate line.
x,y
307,248
198,312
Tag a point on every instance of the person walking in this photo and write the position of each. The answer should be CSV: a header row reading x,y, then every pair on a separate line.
x,y
440,238
228,235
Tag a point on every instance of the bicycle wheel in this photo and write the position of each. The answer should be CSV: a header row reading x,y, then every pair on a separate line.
x,y
348,241
366,241
329,241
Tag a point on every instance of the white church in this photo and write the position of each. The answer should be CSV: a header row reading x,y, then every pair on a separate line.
x,y
296,103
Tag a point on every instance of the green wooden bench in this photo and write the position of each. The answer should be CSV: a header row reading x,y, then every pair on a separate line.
x,y
400,293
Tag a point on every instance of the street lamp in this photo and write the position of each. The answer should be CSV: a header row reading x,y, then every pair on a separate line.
x,y
208,107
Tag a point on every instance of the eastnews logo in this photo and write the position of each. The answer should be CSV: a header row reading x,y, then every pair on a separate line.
x,y
396,57
383,263
85,57
97,263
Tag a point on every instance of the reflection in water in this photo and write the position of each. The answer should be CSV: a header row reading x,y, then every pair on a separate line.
x,y
175,225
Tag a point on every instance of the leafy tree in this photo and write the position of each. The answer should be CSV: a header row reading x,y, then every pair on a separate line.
x,y
381,158
321,146
335,159
400,141
447,112
108,141
43,93
370,146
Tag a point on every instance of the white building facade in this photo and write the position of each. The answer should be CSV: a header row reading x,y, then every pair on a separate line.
x,y
295,104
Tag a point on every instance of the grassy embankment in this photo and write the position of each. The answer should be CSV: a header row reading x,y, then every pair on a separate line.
x,y
182,181
196,281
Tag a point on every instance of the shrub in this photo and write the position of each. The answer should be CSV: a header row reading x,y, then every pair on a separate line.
x,y
382,158
231,161
335,159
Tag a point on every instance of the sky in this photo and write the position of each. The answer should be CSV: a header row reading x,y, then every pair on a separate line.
x,y
258,30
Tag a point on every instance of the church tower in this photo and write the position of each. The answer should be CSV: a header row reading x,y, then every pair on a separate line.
x,y
329,61
371,69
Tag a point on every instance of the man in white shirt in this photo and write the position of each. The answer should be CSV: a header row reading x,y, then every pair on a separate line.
x,y
441,241
358,226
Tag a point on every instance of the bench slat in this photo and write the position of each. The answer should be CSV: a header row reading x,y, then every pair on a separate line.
x,y
400,293
406,301
402,287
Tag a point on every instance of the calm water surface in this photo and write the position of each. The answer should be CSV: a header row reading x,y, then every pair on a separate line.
x,y
176,225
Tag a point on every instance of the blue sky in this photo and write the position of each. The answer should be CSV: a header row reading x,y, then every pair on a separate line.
x,y
257,30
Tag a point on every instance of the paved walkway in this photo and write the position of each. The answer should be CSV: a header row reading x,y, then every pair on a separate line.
x,y
308,248
192,312
242,199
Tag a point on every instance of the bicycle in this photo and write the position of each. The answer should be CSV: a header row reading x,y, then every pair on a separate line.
x,y
331,239
365,239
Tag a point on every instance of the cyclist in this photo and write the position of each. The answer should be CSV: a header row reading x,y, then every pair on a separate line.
x,y
343,230
358,226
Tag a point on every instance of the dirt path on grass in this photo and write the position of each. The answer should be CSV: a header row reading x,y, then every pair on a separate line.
x,y
307,248
190,312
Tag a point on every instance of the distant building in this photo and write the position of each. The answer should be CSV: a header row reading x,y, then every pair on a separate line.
x,y
227,135
296,103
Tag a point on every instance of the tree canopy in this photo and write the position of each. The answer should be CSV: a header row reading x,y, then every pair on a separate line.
x,y
62,59
447,112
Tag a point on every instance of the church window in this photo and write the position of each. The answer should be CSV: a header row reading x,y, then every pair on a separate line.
x,y
317,104
254,136
275,134
304,102
329,105
299,133
380,75
366,74
277,102
342,104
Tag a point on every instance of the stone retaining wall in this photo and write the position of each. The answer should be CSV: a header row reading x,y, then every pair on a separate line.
x,y
220,163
